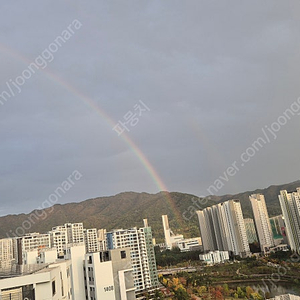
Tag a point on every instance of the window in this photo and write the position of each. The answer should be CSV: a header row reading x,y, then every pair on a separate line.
x,y
53,288
123,254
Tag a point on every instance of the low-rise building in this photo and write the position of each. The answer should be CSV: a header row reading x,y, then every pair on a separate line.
x,y
191,244
214,257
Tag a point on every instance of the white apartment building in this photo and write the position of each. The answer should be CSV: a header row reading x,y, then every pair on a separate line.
x,y
6,252
79,276
206,229
170,238
49,283
214,257
222,228
30,242
117,284
69,233
59,240
262,221
142,254
75,233
290,206
91,240
35,241
102,239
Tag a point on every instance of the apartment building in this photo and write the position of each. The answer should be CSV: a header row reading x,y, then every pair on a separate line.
x,y
290,206
102,239
172,240
91,240
6,252
222,228
262,221
52,283
141,252
28,242
118,283
69,233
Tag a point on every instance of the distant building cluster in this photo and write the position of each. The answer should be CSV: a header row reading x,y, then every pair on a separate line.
x,y
75,263
172,240
223,227
71,262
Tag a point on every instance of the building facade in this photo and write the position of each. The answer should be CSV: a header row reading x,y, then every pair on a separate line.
x,y
91,240
170,238
30,242
141,252
6,252
262,221
117,284
102,239
214,257
279,230
222,228
51,283
290,206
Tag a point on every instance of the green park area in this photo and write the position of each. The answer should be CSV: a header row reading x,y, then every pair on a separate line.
x,y
252,278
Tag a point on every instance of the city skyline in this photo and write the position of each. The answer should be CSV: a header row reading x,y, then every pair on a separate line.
x,y
149,150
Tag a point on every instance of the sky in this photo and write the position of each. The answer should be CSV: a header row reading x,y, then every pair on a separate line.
x,y
212,78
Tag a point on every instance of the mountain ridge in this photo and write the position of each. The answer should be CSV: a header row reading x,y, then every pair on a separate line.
x,y
128,209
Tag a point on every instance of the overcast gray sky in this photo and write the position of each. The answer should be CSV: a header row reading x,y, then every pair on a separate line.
x,y
213,73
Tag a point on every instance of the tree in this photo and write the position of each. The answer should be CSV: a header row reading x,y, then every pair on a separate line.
x,y
240,293
158,295
256,296
226,289
218,294
249,291
181,294
201,290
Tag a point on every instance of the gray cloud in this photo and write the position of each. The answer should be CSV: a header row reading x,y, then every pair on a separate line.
x,y
212,73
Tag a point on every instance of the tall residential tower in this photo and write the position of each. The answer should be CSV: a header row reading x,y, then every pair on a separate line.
x,y
262,221
290,206
141,251
222,228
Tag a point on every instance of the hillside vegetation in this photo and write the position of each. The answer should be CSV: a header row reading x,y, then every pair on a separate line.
x,y
128,209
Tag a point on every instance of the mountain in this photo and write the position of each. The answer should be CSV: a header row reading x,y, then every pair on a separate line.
x,y
271,196
128,209
124,210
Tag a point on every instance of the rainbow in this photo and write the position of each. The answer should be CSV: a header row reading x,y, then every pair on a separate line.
x,y
92,105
